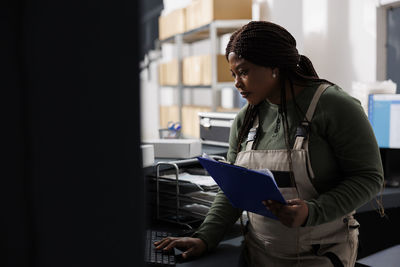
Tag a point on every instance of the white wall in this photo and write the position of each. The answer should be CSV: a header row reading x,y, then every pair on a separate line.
x,y
339,36
170,5
149,100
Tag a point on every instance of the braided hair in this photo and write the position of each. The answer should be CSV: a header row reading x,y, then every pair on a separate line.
x,y
270,45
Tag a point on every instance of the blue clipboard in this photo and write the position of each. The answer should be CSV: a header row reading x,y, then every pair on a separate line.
x,y
245,188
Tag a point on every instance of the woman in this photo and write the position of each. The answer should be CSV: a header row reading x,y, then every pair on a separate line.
x,y
313,132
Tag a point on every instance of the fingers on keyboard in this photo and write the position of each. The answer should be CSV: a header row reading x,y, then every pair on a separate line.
x,y
163,242
173,244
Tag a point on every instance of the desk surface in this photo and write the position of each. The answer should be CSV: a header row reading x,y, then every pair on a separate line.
x,y
390,199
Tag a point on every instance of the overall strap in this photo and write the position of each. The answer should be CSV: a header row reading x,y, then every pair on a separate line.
x,y
314,101
300,138
302,133
252,134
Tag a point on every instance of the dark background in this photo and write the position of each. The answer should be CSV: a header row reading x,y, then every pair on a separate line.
x,y
71,184
392,45
150,11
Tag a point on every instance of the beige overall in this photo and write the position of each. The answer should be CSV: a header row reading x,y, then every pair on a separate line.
x,y
268,242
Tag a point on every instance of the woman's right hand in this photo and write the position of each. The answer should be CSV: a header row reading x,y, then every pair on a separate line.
x,y
191,247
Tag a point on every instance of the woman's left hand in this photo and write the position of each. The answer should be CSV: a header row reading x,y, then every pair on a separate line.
x,y
293,214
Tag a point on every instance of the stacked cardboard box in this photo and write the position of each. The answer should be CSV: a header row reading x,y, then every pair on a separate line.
x,y
190,120
223,70
168,73
167,114
192,70
202,12
172,23
197,70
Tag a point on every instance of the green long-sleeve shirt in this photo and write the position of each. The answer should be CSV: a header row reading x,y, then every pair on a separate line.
x,y
343,151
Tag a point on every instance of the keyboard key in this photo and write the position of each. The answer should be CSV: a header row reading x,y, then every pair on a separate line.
x,y
155,257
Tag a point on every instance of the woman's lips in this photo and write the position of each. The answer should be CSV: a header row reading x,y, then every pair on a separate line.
x,y
245,94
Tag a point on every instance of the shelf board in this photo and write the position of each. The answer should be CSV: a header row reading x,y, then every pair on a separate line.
x,y
169,40
218,109
187,86
219,86
225,84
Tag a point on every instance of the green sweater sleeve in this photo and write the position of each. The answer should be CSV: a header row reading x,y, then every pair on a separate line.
x,y
348,132
222,215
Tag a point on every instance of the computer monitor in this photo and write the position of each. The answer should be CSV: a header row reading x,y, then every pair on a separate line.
x,y
384,115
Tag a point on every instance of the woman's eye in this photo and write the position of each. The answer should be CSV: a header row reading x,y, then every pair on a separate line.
x,y
240,73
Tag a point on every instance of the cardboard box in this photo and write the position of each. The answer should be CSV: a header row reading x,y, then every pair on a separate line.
x,y
172,23
206,73
167,114
176,148
192,17
172,72
168,73
223,73
190,120
202,12
192,69
197,70
162,75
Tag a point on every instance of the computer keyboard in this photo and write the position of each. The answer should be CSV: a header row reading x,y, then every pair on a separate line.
x,y
155,257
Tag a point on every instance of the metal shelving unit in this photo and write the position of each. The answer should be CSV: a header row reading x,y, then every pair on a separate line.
x,y
177,214
211,31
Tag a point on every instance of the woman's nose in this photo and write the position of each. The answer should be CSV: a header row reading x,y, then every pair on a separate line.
x,y
238,82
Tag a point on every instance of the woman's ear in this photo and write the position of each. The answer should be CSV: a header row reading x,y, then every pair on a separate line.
x,y
275,73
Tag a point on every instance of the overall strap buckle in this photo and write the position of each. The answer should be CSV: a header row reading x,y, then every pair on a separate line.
x,y
303,129
252,134
301,134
